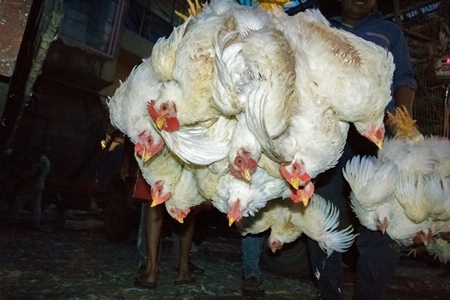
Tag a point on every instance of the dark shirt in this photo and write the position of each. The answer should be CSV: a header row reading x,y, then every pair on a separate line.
x,y
389,36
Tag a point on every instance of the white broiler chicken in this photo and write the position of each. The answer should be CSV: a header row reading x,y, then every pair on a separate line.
x,y
185,195
376,205
172,183
185,62
192,126
371,202
239,199
359,89
162,172
423,185
288,221
256,55
128,113
185,97
272,213
312,144
410,201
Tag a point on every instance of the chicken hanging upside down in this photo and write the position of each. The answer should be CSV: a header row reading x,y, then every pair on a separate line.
x,y
288,221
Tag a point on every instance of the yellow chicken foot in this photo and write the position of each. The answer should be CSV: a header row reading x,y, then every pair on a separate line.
x,y
271,4
193,10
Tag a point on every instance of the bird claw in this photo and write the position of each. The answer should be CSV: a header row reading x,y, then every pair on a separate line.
x,y
412,251
193,10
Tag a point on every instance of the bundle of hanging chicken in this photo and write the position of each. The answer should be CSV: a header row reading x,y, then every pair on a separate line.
x,y
243,105
405,191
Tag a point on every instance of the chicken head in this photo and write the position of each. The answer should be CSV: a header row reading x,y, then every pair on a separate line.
x,y
373,132
179,214
158,194
303,194
274,244
234,213
243,166
164,116
147,146
295,174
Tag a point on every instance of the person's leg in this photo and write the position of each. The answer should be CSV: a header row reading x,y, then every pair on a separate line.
x,y
251,252
252,245
186,233
36,205
153,224
17,206
377,262
175,257
327,271
141,240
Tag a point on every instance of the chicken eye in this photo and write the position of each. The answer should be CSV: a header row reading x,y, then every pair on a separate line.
x,y
164,107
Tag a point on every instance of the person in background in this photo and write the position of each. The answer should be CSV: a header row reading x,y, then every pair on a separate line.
x,y
252,245
33,175
378,256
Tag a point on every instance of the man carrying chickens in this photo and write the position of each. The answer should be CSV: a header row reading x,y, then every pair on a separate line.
x,y
377,258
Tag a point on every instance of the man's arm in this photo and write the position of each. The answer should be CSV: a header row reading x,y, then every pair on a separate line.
x,y
404,96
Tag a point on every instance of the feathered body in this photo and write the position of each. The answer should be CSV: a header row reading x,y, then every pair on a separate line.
x,y
264,59
185,61
207,177
288,221
404,192
185,195
238,97
127,109
162,173
325,50
240,199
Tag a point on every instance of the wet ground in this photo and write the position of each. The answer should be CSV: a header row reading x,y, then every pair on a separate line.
x,y
60,263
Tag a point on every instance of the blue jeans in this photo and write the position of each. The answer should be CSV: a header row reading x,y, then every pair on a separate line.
x,y
252,245
377,262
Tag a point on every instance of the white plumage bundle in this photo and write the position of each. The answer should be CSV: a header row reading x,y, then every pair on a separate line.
x,y
230,95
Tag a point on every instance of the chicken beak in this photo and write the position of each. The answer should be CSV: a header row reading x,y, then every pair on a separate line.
x,y
305,200
154,203
425,242
295,182
146,155
273,250
180,220
379,144
160,122
230,221
247,176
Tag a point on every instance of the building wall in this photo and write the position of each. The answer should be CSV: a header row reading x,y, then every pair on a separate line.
x,y
133,48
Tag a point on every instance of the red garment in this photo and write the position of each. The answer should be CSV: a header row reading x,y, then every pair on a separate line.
x,y
142,190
